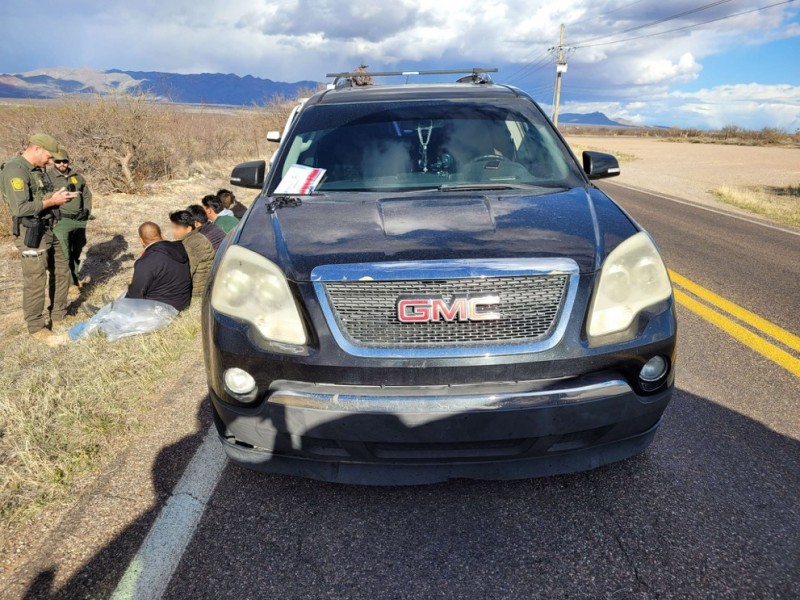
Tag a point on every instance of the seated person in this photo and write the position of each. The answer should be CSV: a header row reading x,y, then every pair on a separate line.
x,y
161,286
214,234
214,207
198,248
229,201
162,272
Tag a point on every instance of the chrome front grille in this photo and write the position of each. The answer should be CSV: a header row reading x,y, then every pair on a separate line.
x,y
366,311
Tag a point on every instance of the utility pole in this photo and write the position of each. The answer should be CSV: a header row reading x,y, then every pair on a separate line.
x,y
561,68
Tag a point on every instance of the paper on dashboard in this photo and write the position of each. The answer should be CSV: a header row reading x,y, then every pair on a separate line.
x,y
300,179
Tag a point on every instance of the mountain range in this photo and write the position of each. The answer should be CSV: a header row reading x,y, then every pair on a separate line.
x,y
595,119
201,88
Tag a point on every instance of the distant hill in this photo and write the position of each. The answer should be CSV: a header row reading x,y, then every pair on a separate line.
x,y
595,119
202,88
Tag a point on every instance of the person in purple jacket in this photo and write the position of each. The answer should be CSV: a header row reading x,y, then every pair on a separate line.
x,y
214,234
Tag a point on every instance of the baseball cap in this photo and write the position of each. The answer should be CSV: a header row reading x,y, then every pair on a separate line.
x,y
45,141
62,154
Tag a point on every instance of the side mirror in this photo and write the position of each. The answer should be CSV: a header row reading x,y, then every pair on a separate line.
x,y
599,165
274,136
249,175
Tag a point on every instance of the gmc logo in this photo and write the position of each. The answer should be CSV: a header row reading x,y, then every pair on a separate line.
x,y
435,309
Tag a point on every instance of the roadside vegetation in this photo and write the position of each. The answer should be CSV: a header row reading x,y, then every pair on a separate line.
x,y
781,204
728,135
64,411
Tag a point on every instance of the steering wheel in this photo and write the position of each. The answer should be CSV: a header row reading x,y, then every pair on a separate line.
x,y
487,158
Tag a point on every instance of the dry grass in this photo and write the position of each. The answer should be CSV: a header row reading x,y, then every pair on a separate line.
x,y
781,204
62,411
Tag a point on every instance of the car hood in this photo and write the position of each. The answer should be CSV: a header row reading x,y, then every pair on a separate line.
x,y
441,226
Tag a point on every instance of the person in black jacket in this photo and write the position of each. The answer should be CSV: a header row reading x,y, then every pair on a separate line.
x,y
162,271
161,275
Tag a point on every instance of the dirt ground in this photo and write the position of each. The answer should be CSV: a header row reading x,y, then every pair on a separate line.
x,y
691,171
113,244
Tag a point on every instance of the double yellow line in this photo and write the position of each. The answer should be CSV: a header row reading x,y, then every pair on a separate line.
x,y
750,328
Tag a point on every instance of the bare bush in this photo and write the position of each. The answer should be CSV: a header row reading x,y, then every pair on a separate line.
x,y
125,141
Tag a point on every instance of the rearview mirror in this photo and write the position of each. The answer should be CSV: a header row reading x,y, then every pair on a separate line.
x,y
249,175
599,165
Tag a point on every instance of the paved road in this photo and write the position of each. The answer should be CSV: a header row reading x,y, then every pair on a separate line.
x,y
712,509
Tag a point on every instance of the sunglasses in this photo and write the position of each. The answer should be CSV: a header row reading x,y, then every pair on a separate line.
x,y
61,162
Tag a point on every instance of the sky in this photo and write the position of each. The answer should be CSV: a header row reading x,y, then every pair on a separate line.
x,y
743,70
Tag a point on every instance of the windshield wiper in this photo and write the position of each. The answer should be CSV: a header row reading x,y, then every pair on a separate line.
x,y
478,187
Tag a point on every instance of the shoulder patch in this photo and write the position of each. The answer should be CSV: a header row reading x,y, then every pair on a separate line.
x,y
17,184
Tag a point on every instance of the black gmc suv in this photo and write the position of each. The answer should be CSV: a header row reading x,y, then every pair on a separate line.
x,y
429,287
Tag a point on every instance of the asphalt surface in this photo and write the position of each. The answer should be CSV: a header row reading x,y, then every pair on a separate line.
x,y
711,509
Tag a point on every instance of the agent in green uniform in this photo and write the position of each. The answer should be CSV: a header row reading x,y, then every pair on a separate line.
x,y
34,207
71,229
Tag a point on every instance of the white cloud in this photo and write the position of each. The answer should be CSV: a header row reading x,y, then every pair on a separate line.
x,y
664,70
747,105
303,39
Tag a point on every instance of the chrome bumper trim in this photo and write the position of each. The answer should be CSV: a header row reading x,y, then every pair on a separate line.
x,y
438,399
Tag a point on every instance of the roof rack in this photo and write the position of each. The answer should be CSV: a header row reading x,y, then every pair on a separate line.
x,y
348,79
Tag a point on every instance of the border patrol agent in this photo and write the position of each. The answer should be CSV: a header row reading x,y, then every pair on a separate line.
x,y
34,207
70,231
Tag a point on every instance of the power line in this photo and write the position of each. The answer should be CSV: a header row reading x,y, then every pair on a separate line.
x,y
542,60
538,67
623,7
685,13
649,35
534,64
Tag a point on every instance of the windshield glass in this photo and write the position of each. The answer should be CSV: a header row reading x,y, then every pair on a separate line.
x,y
385,146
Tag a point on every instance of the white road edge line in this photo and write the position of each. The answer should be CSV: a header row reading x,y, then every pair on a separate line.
x,y
706,208
151,569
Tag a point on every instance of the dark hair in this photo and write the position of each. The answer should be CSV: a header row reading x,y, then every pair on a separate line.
x,y
213,203
182,217
223,193
198,213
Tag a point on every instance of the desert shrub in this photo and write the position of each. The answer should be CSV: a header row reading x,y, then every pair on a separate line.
x,y
730,134
113,138
126,141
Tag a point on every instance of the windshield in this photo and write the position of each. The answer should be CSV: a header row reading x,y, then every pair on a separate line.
x,y
383,146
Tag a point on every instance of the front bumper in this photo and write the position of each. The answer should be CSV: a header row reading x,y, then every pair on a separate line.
x,y
426,434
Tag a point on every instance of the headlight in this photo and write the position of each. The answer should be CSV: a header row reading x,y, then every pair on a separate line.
x,y
250,288
633,278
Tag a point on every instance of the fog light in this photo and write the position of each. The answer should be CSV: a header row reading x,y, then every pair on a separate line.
x,y
654,370
239,382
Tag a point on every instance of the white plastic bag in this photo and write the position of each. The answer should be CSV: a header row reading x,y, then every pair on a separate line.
x,y
126,317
